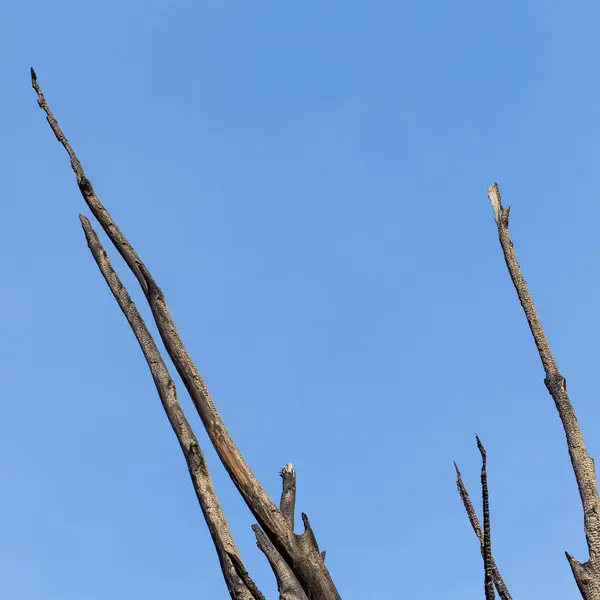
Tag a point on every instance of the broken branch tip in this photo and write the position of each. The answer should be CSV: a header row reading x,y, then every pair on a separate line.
x,y
287,470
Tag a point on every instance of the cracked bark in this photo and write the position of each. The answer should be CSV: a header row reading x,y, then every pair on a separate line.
x,y
239,587
587,575
306,563
287,585
487,541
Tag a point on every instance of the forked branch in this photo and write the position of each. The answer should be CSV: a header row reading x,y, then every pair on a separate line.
x,y
305,562
486,551
288,586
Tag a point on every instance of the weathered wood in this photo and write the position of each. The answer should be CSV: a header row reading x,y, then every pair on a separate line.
x,y
587,575
229,556
466,500
306,563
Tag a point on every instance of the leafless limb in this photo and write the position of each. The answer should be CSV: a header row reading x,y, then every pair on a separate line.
x,y
287,504
288,586
497,578
240,588
303,558
487,540
587,575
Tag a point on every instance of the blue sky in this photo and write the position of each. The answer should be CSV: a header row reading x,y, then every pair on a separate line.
x,y
307,182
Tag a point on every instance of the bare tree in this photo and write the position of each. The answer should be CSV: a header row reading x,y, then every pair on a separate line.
x,y
587,575
296,560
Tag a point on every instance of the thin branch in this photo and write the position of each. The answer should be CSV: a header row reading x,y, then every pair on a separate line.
x,y
308,567
229,556
583,465
464,495
487,540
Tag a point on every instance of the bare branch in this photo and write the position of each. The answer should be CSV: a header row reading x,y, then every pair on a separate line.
x,y
583,465
287,504
229,556
240,569
307,566
307,537
462,491
287,584
487,540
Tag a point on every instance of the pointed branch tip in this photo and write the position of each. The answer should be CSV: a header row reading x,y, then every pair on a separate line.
x,y
481,448
33,75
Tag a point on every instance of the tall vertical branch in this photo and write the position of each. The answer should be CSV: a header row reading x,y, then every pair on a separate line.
x,y
487,541
588,574
287,504
305,561
472,515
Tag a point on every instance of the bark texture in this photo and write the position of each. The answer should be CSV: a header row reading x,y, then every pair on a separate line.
x,y
229,556
488,558
487,542
296,560
287,584
586,575
299,551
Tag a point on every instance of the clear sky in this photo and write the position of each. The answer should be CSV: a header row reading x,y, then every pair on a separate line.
x,y
307,182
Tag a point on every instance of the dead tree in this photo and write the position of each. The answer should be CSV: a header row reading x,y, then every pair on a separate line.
x,y
296,560
587,575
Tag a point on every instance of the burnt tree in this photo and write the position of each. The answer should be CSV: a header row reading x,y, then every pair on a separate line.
x,y
297,562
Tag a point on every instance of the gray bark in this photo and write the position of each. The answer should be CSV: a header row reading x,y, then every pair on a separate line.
x,y
586,575
303,558
229,556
